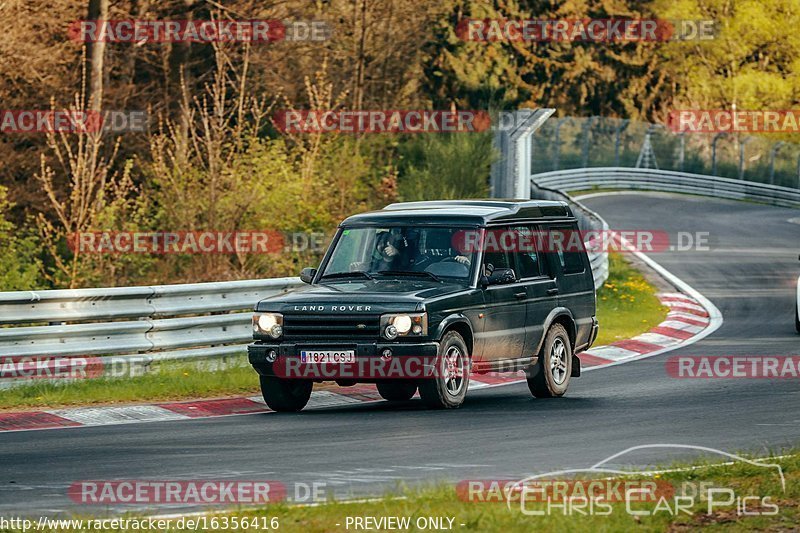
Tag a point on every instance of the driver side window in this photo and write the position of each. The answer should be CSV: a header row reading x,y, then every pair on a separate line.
x,y
497,254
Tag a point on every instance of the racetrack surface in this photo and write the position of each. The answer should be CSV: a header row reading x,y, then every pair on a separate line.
x,y
749,274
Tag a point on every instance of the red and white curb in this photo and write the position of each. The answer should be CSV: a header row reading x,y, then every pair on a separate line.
x,y
688,320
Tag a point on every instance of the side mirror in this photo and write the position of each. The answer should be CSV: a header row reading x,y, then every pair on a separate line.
x,y
307,274
500,276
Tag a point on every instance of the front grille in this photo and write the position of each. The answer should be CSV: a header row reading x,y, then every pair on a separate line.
x,y
322,327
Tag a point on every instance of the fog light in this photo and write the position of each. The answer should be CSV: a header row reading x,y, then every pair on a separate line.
x,y
390,332
386,354
271,356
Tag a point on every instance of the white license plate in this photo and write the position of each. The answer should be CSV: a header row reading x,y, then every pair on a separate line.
x,y
337,357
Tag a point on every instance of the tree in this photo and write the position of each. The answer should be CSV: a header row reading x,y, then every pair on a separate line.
x,y
95,58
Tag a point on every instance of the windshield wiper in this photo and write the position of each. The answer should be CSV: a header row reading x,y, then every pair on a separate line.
x,y
421,274
359,273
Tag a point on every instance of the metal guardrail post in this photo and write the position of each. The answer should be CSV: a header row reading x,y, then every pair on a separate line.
x,y
510,175
557,150
772,153
587,130
621,126
717,137
798,171
742,144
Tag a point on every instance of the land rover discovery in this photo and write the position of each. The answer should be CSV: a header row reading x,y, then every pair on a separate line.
x,y
419,295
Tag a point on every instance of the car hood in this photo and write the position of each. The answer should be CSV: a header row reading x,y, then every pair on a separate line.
x,y
380,295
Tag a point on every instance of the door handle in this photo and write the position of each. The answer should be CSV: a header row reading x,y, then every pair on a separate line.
x,y
552,292
520,295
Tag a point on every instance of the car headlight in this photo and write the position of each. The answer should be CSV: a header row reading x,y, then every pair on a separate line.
x,y
404,325
268,324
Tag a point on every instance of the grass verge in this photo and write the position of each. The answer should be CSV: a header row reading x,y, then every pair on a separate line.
x,y
761,487
747,498
626,304
626,307
171,382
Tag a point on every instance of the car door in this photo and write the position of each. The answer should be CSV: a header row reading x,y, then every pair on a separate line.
x,y
504,321
540,287
573,276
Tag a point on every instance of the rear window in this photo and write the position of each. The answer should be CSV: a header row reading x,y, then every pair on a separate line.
x,y
570,256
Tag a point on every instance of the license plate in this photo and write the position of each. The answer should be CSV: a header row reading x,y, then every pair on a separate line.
x,y
336,357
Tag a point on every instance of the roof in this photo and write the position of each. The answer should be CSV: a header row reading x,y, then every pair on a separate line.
x,y
469,212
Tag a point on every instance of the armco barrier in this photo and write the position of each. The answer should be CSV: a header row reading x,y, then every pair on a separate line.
x,y
554,185
667,181
136,325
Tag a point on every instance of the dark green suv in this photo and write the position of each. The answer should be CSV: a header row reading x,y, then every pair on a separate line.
x,y
419,295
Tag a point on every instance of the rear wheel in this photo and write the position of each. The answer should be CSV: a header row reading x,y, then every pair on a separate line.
x,y
396,391
447,388
285,395
550,376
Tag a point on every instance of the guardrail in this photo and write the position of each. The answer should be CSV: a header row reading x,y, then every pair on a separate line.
x,y
554,185
136,325
667,181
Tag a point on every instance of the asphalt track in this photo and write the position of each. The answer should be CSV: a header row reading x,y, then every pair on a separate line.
x,y
748,273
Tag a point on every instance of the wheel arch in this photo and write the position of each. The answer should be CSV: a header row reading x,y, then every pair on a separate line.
x,y
461,325
564,317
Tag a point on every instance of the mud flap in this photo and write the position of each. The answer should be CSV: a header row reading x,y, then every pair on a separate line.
x,y
576,367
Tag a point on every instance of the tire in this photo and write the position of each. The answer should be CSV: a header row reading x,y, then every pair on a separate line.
x,y
397,391
550,376
447,388
285,395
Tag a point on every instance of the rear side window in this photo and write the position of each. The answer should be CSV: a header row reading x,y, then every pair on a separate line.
x,y
527,257
515,248
566,242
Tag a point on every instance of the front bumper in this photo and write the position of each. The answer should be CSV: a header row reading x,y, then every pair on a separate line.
x,y
407,361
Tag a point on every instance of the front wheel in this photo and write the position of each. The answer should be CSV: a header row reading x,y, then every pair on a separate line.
x,y
550,376
285,395
447,388
396,391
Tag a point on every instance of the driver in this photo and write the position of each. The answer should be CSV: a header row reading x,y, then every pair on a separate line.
x,y
438,246
390,251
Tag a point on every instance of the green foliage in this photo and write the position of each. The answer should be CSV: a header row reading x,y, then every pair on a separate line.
x,y
446,166
578,78
20,268
753,63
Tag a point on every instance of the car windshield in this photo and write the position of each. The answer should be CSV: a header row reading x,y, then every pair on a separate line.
x,y
397,251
